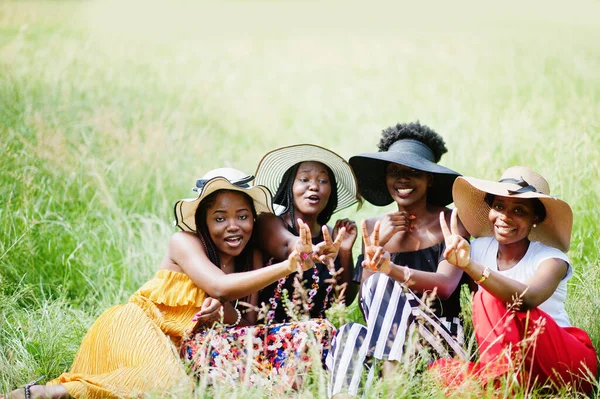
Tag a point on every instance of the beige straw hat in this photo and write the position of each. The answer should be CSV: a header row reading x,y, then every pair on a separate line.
x,y
221,179
516,182
274,164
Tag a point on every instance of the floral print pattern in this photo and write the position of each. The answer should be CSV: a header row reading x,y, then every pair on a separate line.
x,y
279,356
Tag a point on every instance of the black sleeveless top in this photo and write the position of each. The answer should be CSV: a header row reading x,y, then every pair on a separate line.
x,y
320,302
427,260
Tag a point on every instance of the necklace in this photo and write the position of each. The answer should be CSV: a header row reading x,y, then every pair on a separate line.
x,y
275,299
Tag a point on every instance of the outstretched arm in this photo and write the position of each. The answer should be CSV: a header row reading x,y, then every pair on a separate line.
x,y
531,293
186,250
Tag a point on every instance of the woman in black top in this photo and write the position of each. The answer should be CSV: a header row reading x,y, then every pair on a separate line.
x,y
402,258
310,183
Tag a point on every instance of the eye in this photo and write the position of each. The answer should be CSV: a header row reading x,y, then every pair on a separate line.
x,y
303,179
243,217
520,211
323,181
497,207
220,219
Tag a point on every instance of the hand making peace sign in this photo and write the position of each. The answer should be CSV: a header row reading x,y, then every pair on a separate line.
x,y
376,258
458,249
302,255
327,250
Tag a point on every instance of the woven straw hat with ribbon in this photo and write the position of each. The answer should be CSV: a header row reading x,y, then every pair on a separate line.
x,y
274,164
221,179
516,182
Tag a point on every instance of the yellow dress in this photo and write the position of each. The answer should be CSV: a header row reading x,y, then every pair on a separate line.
x,y
132,349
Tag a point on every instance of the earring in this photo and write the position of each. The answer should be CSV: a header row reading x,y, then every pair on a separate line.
x,y
534,225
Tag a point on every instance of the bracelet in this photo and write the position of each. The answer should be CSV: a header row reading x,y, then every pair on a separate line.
x,y
407,274
239,318
484,275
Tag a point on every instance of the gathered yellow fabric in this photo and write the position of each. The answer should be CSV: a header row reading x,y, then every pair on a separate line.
x,y
132,349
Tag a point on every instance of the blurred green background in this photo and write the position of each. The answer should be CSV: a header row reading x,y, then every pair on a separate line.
x,y
109,110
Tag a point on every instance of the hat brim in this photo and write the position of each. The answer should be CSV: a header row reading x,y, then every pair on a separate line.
x,y
274,164
185,209
370,170
469,194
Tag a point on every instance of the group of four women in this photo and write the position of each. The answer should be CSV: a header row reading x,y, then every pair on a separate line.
x,y
242,291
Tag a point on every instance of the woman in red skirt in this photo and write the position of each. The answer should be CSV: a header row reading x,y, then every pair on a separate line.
x,y
518,259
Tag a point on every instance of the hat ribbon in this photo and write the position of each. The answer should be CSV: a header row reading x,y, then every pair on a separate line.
x,y
242,183
525,187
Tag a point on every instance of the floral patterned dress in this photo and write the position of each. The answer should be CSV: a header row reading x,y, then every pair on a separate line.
x,y
276,356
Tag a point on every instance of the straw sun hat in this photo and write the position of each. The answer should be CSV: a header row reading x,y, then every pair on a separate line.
x,y
274,164
221,179
516,182
370,170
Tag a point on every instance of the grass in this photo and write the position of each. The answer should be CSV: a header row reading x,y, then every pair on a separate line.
x,y
109,111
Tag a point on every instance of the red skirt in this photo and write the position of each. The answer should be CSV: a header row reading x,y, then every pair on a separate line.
x,y
528,343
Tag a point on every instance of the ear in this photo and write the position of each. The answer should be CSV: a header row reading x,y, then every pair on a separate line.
x,y
430,179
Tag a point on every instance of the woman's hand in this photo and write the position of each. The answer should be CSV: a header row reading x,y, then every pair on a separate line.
x,y
458,249
376,258
393,223
327,250
302,255
210,311
349,237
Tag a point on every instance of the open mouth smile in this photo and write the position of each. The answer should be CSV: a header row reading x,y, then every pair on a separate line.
x,y
404,192
234,241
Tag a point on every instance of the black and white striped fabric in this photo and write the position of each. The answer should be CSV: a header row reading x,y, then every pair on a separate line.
x,y
392,312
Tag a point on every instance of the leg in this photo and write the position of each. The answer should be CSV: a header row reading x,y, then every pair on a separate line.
x,y
346,360
548,351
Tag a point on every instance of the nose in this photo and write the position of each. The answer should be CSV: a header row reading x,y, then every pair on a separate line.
x,y
232,225
313,185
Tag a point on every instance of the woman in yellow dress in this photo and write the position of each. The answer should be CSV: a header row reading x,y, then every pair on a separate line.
x,y
132,349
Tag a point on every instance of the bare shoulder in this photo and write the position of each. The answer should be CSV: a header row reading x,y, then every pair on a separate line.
x,y
183,238
269,222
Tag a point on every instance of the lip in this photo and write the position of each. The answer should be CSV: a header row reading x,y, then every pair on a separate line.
x,y
234,241
504,230
404,192
313,199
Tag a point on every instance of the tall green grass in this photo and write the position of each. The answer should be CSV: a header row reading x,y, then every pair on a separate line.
x,y
109,111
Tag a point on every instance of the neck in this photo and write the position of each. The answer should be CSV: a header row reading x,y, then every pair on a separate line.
x,y
227,262
310,220
513,252
420,209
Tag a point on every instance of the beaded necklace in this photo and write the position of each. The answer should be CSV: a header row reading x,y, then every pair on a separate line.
x,y
274,300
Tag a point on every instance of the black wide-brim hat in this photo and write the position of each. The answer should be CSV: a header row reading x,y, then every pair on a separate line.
x,y
370,169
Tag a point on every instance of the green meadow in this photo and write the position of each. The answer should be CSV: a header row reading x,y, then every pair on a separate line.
x,y
110,110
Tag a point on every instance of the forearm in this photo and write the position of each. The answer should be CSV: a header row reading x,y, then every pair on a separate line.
x,y
421,281
233,286
501,287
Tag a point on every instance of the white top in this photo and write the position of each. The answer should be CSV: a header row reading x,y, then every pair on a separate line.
x,y
485,250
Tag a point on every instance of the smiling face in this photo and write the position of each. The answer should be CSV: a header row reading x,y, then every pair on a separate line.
x,y
230,222
311,188
511,219
407,186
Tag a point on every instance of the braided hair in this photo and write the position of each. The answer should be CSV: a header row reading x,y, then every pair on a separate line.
x,y
285,196
243,262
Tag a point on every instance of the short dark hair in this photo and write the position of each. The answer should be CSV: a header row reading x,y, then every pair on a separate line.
x,y
539,209
413,131
243,262
285,196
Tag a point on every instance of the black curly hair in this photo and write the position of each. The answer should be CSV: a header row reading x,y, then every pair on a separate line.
x,y
285,197
414,131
